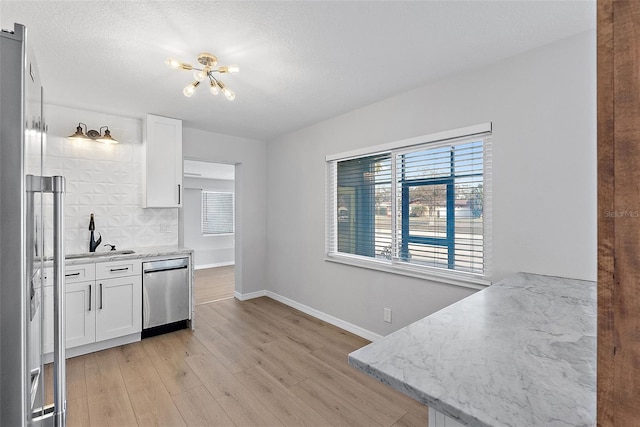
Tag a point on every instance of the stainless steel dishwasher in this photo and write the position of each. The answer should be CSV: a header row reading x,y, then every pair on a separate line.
x,y
165,296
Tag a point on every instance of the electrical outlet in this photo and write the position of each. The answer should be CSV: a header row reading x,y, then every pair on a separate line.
x,y
387,315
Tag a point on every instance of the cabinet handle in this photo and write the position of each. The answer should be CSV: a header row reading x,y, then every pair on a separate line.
x,y
72,274
90,286
100,296
119,269
178,193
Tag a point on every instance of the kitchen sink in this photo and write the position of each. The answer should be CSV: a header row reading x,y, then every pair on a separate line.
x,y
99,254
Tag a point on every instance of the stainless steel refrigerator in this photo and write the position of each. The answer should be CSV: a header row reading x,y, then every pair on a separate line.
x,y
26,199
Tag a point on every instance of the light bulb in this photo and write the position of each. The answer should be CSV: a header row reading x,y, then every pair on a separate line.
x,y
172,63
214,88
229,94
189,90
229,69
199,75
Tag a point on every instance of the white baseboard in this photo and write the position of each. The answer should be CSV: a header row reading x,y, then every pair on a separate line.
x,y
218,264
250,295
96,346
350,327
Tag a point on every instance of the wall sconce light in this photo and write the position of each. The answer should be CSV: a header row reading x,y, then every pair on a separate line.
x,y
94,135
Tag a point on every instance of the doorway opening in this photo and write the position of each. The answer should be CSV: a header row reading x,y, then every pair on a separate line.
x,y
208,227
214,284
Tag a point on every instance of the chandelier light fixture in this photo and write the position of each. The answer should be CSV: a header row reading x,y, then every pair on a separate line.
x,y
209,63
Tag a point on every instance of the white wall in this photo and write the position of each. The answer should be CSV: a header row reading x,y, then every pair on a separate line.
x,y
250,159
211,250
103,179
543,107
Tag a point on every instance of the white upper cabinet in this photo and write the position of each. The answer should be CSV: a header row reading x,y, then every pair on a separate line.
x,y
163,163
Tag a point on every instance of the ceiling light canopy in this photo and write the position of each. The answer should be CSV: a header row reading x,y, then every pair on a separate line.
x,y
209,63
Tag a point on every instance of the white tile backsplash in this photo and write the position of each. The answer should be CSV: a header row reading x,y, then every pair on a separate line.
x,y
105,180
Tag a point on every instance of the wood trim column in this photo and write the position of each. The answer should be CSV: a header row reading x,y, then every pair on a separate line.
x,y
618,213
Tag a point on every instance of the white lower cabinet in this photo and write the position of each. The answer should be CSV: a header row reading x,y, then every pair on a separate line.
x,y
80,314
438,419
119,310
98,308
80,319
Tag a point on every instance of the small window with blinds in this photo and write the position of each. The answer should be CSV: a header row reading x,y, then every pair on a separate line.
x,y
217,213
423,206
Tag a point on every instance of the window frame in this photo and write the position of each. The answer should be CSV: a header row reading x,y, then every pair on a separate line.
x,y
405,231
202,213
397,265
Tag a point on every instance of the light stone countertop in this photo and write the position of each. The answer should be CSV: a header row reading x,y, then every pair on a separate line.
x,y
521,352
143,253
147,252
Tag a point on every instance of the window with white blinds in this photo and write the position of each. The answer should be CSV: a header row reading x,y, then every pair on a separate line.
x,y
217,213
423,206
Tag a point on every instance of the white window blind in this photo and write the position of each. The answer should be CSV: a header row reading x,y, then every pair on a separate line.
x,y
217,213
424,207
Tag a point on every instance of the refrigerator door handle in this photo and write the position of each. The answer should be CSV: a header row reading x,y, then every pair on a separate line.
x,y
59,357
56,186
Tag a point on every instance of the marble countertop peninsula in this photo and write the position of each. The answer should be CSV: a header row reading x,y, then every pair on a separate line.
x,y
521,352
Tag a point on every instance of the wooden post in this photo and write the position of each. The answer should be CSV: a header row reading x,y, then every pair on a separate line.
x,y
618,213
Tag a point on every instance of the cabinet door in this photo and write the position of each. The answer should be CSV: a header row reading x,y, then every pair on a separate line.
x,y
438,419
47,311
163,163
80,321
80,307
119,307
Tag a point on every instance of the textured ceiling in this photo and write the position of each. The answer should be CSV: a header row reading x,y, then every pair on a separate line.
x,y
300,61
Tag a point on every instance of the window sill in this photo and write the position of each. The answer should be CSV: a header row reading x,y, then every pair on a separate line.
x,y
405,270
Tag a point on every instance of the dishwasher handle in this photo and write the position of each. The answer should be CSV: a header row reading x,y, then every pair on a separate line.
x,y
163,265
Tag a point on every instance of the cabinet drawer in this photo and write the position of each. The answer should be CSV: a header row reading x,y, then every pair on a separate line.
x,y
79,273
108,270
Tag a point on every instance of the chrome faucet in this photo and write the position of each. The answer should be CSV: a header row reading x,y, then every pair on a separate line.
x,y
93,244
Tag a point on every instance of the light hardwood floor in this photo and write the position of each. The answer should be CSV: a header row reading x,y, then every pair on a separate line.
x,y
214,284
252,363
